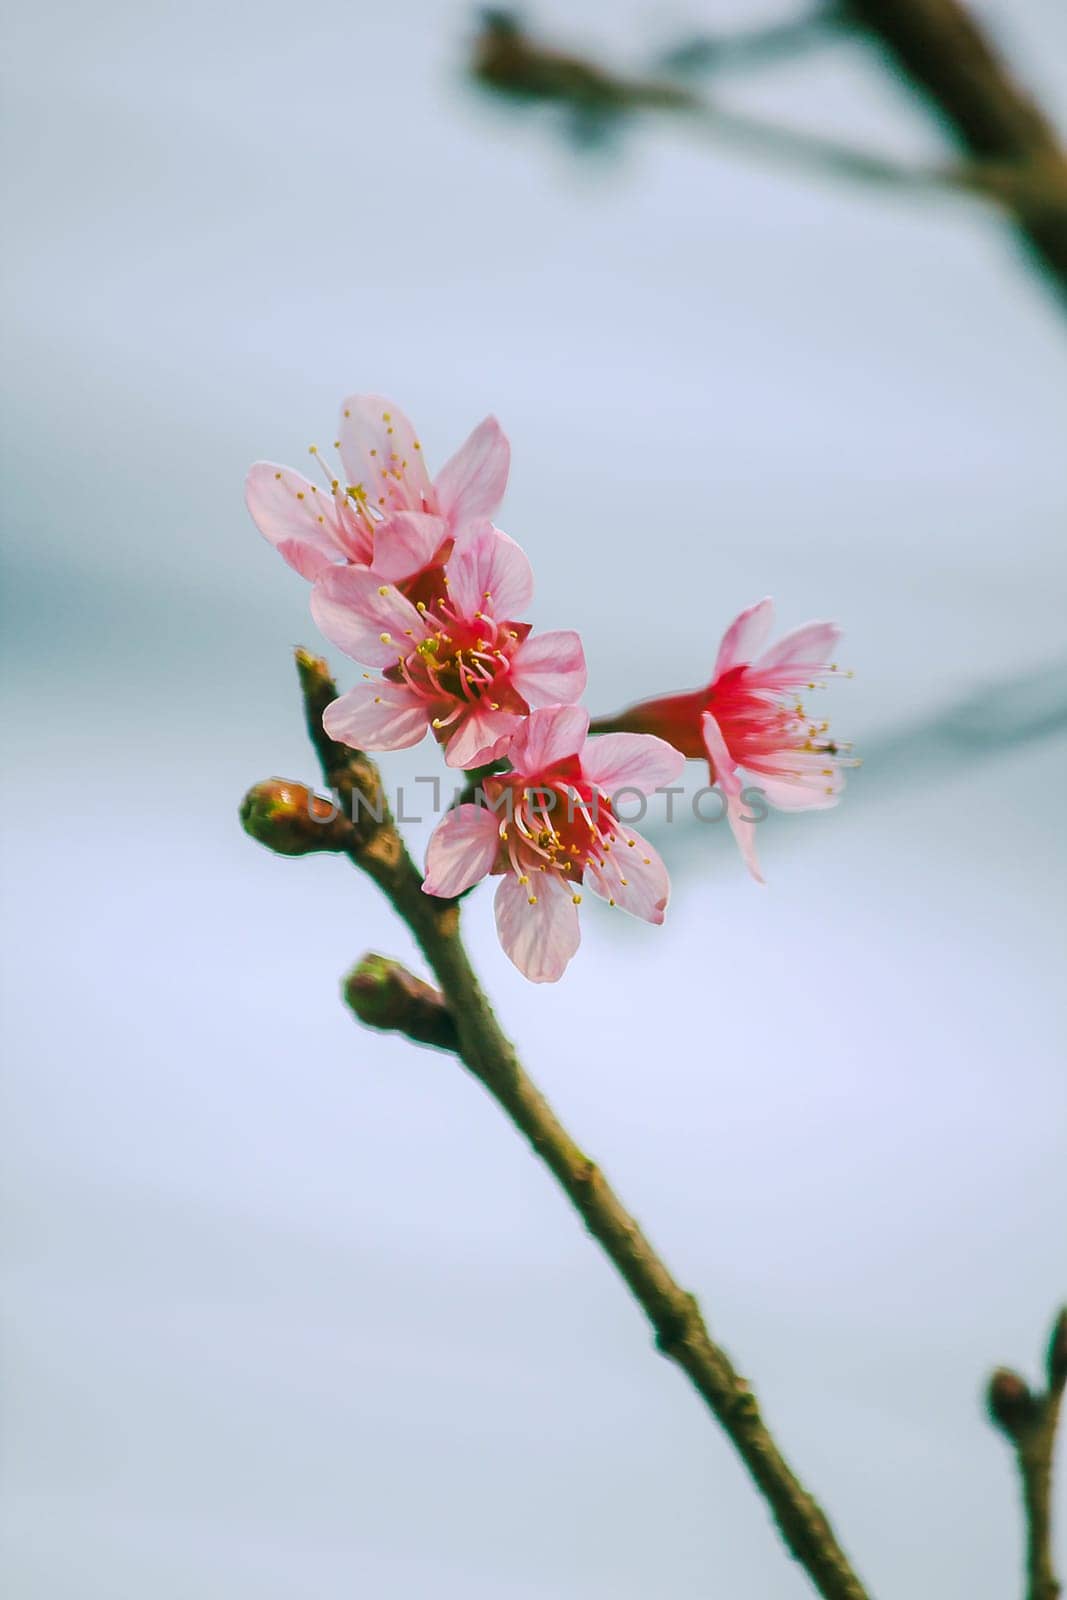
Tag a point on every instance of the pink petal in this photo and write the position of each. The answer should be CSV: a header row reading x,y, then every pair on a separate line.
x,y
724,771
723,766
548,737
630,760
405,544
541,938
472,483
804,653
355,609
462,850
744,831
380,451
304,558
634,876
376,716
744,637
481,736
298,517
490,572
801,780
549,669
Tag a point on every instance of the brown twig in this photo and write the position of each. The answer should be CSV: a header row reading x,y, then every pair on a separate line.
x,y
950,60
1029,1422
680,1332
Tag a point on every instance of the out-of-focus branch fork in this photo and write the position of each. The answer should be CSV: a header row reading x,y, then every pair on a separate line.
x,y
1013,157
1029,1421
954,65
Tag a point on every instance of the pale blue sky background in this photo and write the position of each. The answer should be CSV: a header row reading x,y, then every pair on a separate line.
x,y
290,1313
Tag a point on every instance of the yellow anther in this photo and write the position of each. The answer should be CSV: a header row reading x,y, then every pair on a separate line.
x,y
533,900
523,878
313,449
377,699
387,416
631,843
576,899
625,882
300,494
415,445
383,589
348,413
277,474
337,444
648,861
386,638
611,902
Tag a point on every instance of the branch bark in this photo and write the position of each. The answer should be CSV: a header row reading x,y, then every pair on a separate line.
x,y
1029,1421
954,66
680,1331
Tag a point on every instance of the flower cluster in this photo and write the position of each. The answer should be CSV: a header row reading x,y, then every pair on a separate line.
x,y
412,578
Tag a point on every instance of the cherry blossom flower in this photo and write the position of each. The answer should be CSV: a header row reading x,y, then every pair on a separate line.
x,y
382,510
548,827
460,666
749,719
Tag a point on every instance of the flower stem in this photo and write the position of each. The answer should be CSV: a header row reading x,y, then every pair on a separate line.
x,y
374,845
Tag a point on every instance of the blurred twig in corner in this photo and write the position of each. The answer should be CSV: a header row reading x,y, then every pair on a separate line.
x,y
1012,155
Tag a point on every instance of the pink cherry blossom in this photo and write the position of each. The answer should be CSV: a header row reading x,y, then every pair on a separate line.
x,y
380,510
548,827
460,666
749,720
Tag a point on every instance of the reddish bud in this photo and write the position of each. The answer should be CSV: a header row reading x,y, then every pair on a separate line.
x,y
290,819
1009,1401
385,995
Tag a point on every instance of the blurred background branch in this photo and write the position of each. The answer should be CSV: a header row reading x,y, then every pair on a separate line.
x,y
1029,1422
1012,155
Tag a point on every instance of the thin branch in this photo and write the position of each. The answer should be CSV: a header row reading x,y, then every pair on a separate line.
x,y
1002,183
680,1332
1029,1422
767,45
